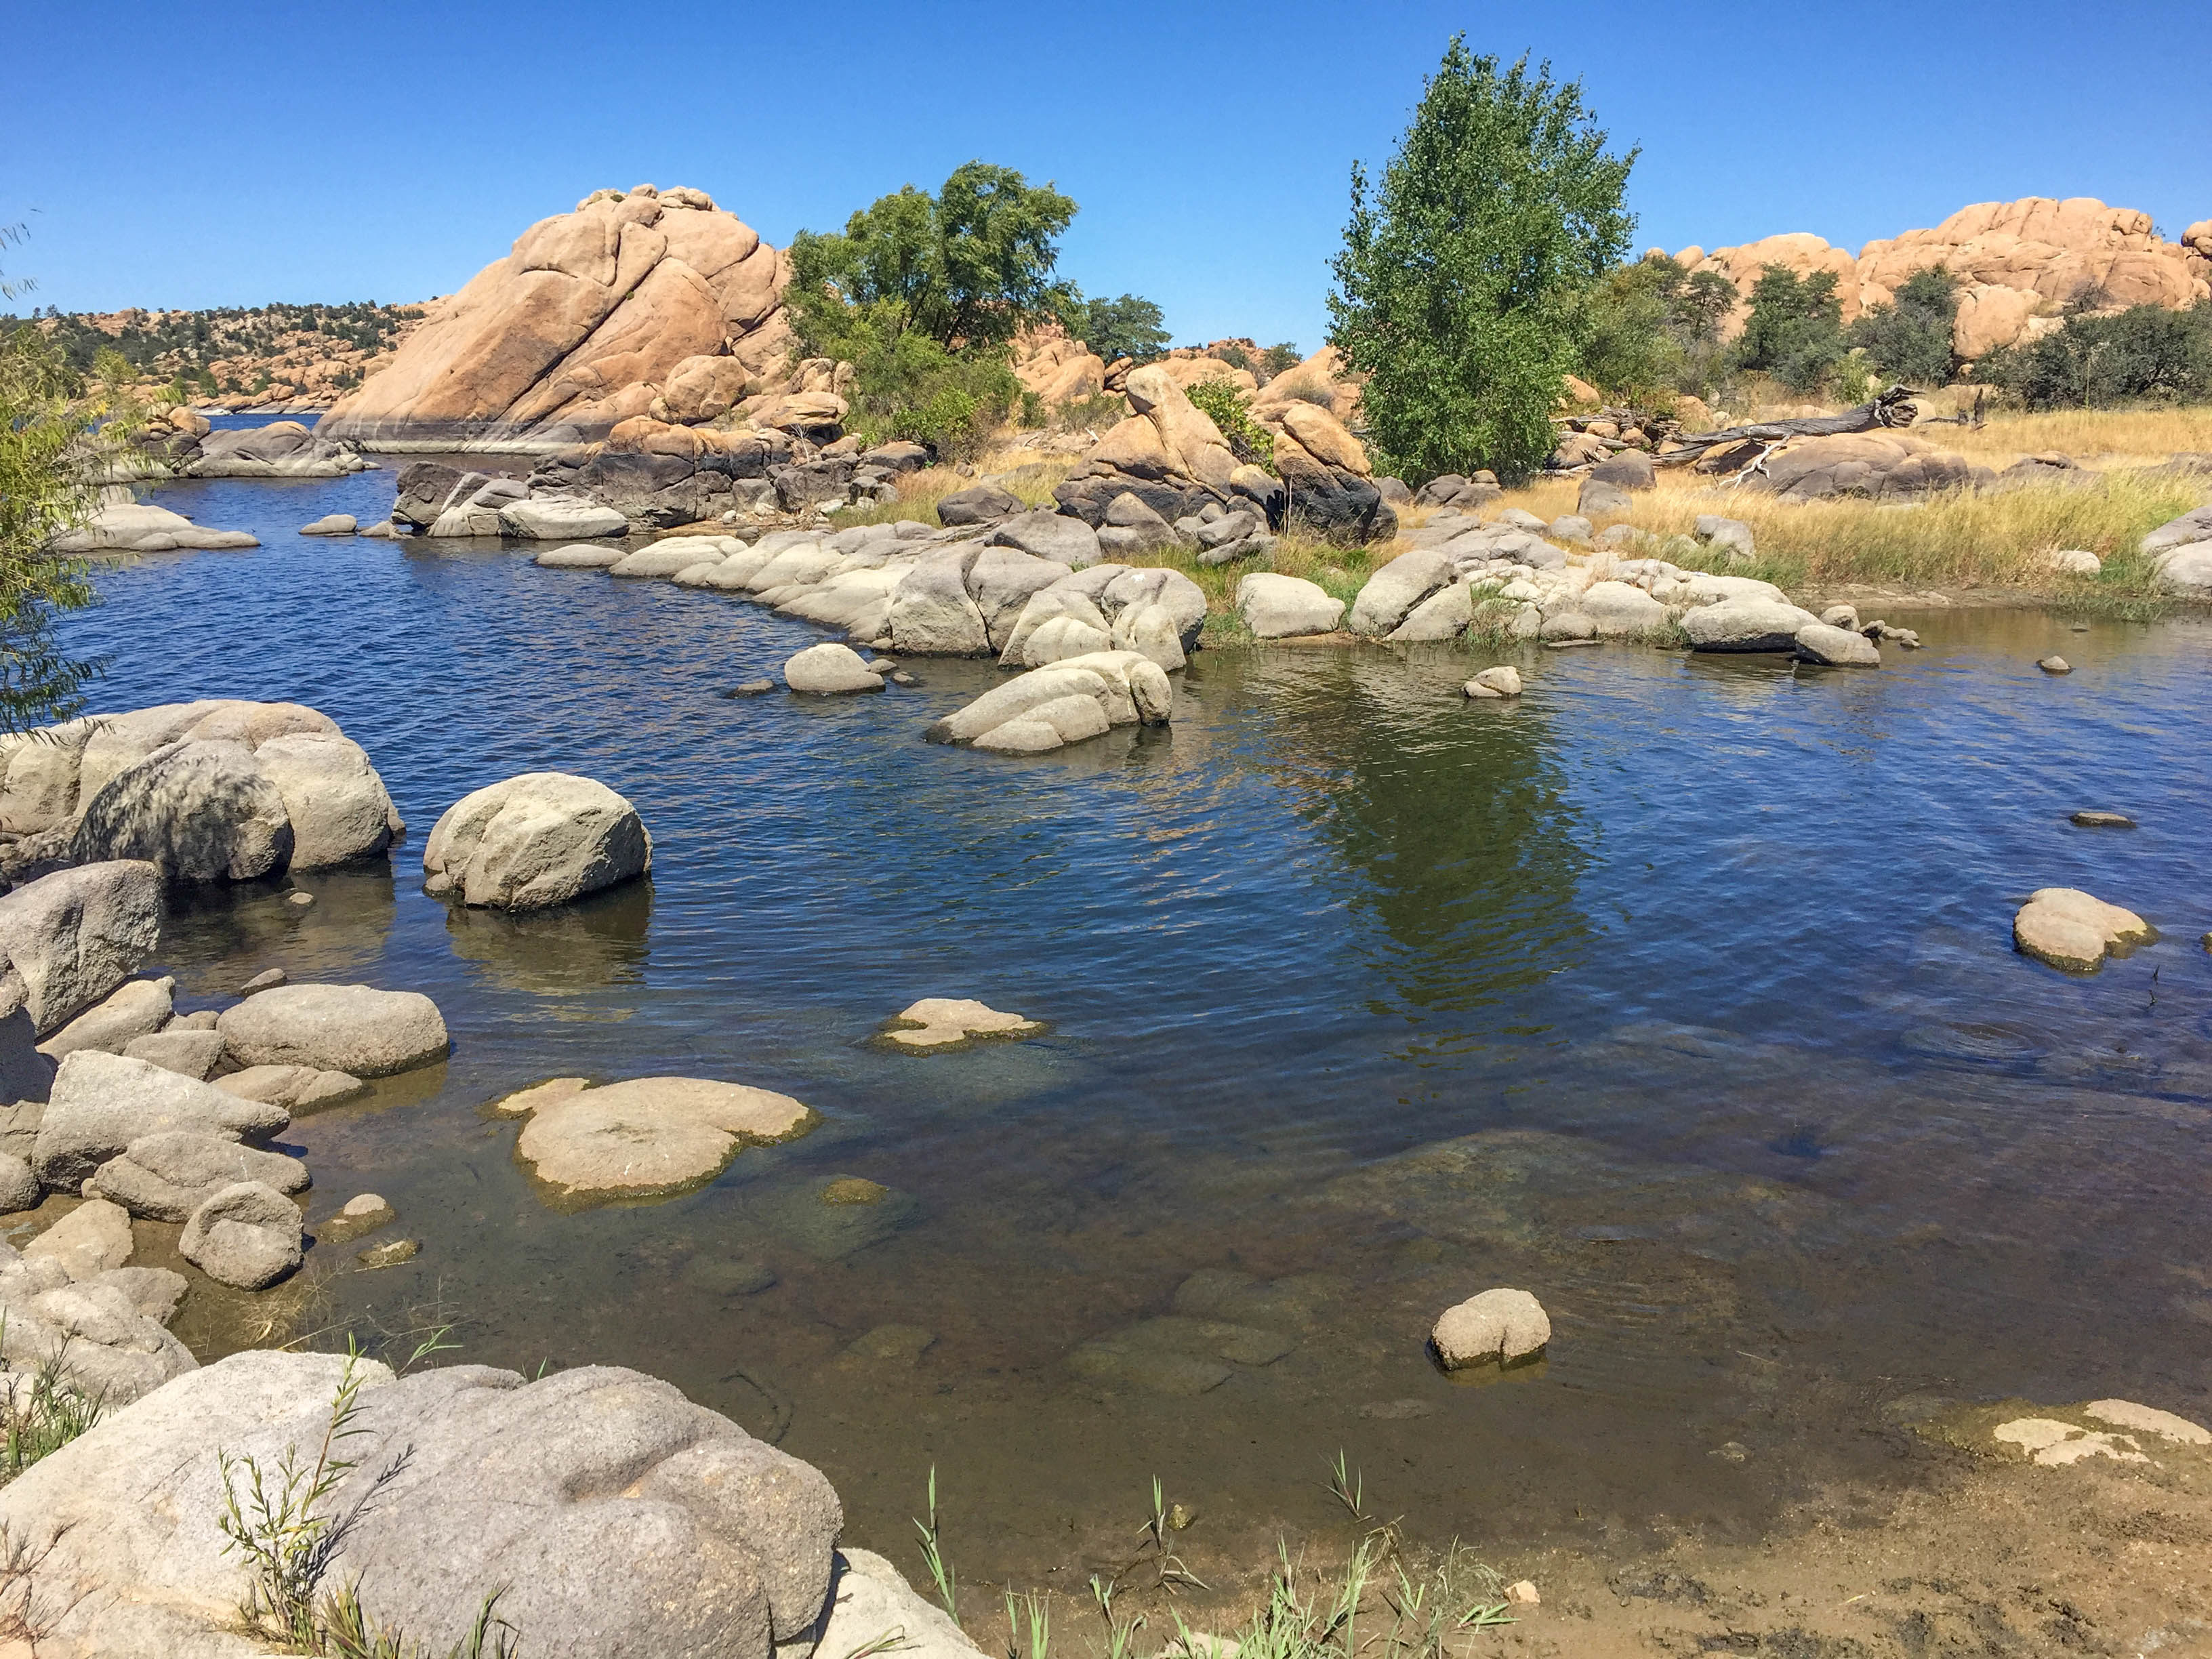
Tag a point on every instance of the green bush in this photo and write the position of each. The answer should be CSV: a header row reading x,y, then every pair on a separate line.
x,y
1909,339
1460,284
2142,355
1281,359
1796,328
1223,402
1652,330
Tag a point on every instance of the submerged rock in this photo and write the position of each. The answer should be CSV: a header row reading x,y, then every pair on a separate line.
x,y
1076,698
651,1136
1501,1327
830,670
936,1022
1502,681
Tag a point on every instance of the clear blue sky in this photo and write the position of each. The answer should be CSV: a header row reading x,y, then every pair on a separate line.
x,y
234,153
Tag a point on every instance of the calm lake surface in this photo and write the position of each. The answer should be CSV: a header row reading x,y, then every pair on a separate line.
x,y
1679,991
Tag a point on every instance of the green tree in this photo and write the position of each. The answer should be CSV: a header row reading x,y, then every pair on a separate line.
x,y
1652,329
968,267
1131,326
1459,283
1281,359
50,444
1796,328
1909,338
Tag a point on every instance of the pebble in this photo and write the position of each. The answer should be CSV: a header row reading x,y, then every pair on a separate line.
x,y
853,1189
751,689
1523,1593
883,644
268,981
2079,628
2104,820
390,1254
302,900
900,677
1502,681
1500,1326
2054,666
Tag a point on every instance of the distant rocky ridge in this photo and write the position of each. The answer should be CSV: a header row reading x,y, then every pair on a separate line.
x,y
643,302
2020,265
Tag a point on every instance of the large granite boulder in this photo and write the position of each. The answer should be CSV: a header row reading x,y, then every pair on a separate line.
x,y
540,839
187,786
1285,607
592,317
71,939
169,1176
354,1029
1881,464
607,1513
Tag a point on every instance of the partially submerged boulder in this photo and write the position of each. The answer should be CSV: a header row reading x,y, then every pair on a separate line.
x,y
354,1029
1501,1327
830,670
1285,607
247,1234
2071,929
540,839
1072,700
648,1137
945,1022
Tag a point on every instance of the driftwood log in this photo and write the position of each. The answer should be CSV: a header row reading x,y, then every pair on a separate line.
x,y
1893,408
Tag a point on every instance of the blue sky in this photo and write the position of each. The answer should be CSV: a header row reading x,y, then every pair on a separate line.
x,y
235,154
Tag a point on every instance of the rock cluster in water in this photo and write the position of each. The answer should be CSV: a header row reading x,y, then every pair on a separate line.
x,y
214,791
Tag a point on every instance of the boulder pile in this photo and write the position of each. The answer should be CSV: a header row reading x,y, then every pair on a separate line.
x,y
125,527
2020,264
179,443
217,790
1075,698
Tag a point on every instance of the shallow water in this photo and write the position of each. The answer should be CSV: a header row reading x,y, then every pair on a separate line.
x,y
1679,991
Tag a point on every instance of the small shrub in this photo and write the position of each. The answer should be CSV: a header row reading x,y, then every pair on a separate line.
x,y
1032,413
1909,339
41,1413
1226,404
1795,329
1236,356
1281,359
2145,354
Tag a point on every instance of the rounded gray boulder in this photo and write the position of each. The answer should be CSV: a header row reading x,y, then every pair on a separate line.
x,y
247,1234
540,839
355,1029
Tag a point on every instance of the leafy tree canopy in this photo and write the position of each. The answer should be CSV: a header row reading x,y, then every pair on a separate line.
x,y
1909,338
1462,272
1131,326
967,267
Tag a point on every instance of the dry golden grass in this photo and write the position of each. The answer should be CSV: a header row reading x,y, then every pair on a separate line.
x,y
2102,438
1032,476
1959,539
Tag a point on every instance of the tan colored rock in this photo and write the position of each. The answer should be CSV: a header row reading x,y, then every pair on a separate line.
x,y
701,388
590,316
650,1136
1059,369
1134,446
2073,930
937,1022
1186,433
1323,436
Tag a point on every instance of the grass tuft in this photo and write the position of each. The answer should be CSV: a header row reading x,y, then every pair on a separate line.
x,y
40,1413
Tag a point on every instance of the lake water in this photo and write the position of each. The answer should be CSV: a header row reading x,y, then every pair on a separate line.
x,y
1679,991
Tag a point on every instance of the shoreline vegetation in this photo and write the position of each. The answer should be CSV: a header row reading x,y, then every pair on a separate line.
x,y
1977,546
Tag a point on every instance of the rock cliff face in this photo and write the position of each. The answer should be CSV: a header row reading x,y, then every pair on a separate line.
x,y
640,303
2018,265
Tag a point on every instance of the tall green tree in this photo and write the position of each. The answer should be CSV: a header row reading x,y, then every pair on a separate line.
x,y
50,446
1458,285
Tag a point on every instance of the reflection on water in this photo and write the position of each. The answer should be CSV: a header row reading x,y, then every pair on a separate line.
x,y
1679,991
